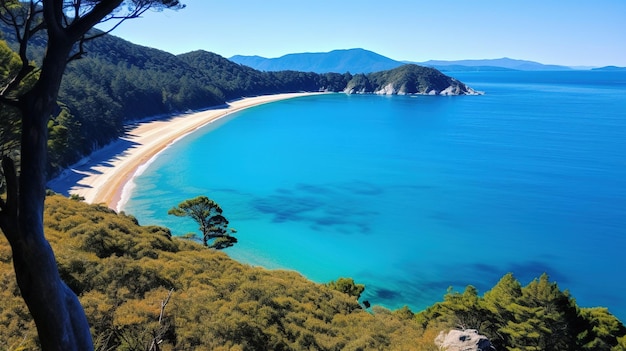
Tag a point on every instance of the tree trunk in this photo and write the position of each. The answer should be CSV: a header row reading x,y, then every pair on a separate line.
x,y
59,317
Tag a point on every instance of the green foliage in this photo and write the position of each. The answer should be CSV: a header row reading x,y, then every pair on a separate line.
x,y
404,313
208,214
544,317
123,272
118,82
359,83
602,327
224,241
347,286
538,316
10,121
10,64
621,344
407,79
64,142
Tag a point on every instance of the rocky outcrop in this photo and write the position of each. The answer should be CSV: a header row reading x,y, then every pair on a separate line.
x,y
461,89
463,340
408,80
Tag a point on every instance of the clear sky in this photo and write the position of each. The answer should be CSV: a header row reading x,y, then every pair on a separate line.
x,y
569,32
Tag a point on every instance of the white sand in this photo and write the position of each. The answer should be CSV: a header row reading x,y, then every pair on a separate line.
x,y
102,176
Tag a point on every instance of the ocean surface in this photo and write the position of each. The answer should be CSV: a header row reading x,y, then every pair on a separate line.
x,y
412,195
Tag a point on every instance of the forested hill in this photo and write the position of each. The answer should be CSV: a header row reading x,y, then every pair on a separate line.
x,y
118,81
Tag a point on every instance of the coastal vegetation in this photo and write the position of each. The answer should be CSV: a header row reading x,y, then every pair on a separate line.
x,y
406,80
116,82
347,286
208,214
123,273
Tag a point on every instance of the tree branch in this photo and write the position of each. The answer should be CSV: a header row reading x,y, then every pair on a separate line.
x,y
29,17
77,8
157,335
79,54
164,303
104,11
81,25
120,19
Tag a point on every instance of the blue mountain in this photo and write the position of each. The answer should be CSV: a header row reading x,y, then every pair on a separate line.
x,y
491,64
365,61
610,68
336,61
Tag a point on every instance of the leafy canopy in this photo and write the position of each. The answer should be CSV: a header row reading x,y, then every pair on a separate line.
x,y
208,214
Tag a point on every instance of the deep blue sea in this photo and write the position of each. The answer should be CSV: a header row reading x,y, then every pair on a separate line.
x,y
412,195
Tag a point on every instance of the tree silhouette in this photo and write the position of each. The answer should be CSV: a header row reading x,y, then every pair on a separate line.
x,y
65,26
208,214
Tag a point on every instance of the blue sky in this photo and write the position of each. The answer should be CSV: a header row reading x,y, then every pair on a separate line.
x,y
572,32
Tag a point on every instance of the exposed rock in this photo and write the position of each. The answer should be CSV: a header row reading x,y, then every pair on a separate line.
x,y
387,90
463,340
458,90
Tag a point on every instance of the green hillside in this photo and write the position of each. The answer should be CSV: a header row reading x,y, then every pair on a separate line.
x,y
124,274
117,82
406,80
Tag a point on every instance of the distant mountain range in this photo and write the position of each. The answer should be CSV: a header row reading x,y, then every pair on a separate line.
x,y
609,68
493,64
337,61
364,61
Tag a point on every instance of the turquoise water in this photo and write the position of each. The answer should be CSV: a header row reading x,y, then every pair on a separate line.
x,y
411,195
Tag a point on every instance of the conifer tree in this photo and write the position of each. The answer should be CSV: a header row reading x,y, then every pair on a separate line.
x,y
208,214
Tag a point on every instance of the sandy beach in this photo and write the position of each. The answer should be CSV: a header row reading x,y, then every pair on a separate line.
x,y
102,176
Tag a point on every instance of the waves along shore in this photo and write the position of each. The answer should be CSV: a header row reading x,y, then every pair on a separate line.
x,y
103,175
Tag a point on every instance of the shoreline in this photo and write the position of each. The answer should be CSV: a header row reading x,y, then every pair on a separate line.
x,y
106,175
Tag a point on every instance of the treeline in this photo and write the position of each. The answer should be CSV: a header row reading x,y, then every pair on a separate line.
x,y
140,285
538,316
116,82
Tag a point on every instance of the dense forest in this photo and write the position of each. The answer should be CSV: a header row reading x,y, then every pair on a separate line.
x,y
138,283
117,82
